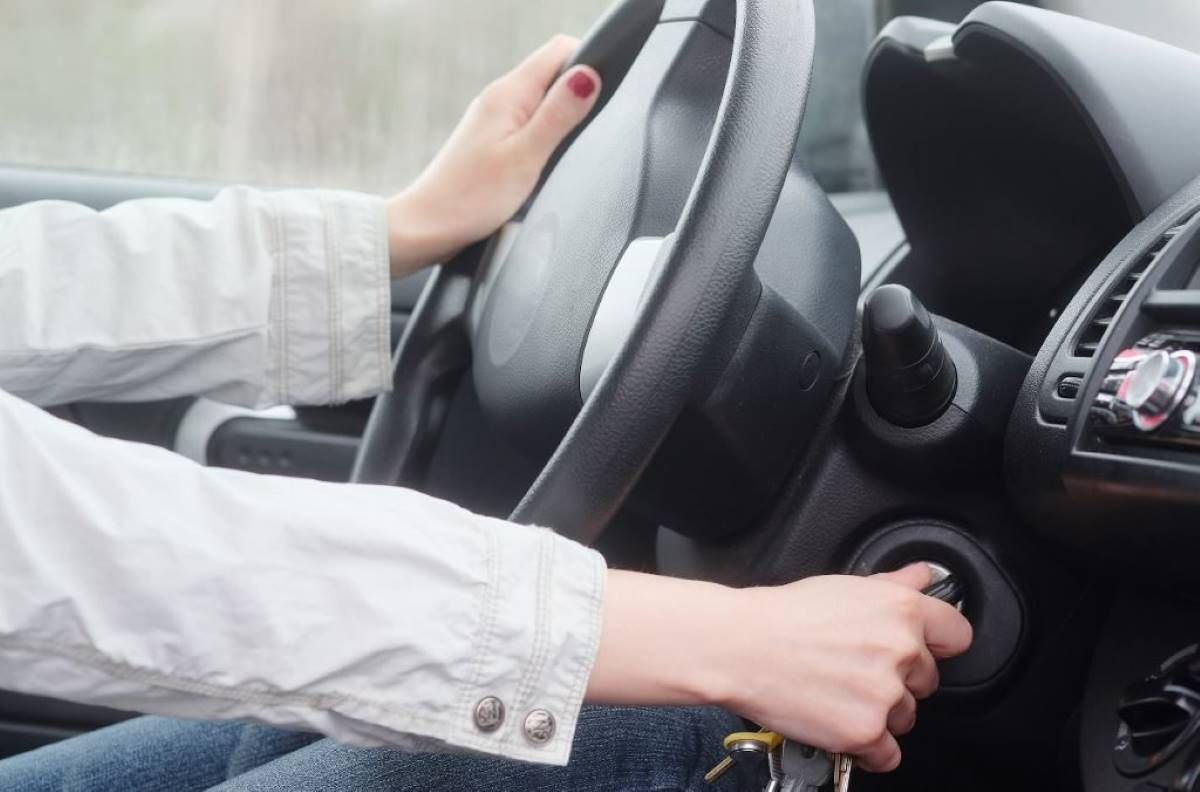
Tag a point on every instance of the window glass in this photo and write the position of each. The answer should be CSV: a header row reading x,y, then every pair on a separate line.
x,y
1173,21
360,93
833,141
347,93
353,93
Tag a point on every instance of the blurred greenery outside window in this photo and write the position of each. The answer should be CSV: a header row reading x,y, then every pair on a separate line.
x,y
356,94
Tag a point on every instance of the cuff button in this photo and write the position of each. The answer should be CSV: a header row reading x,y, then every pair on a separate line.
x,y
539,727
489,714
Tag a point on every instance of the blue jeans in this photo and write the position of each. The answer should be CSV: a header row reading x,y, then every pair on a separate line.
x,y
616,750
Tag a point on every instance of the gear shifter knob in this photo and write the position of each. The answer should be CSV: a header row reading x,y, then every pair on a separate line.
x,y
910,378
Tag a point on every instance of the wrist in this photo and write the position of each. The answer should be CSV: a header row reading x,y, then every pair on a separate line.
x,y
718,651
667,642
416,238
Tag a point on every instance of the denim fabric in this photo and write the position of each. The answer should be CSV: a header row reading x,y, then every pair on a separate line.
x,y
149,755
615,750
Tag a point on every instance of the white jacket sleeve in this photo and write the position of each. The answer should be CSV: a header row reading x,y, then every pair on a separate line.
x,y
133,578
254,298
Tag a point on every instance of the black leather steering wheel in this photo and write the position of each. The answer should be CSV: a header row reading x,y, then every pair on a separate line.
x,y
685,161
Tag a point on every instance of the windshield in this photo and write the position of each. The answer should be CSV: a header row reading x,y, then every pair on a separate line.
x,y
359,94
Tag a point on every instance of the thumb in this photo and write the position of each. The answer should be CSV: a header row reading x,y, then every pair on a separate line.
x,y
565,106
914,576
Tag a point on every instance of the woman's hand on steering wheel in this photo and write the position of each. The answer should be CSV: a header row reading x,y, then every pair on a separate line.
x,y
493,160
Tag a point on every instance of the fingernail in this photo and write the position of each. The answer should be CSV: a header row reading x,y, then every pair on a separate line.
x,y
582,85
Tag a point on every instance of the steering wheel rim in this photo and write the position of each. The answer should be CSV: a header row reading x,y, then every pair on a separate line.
x,y
692,312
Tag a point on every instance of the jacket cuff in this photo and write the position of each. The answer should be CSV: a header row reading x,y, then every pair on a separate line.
x,y
330,326
523,697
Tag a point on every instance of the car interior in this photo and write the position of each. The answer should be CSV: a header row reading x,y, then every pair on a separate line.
x,y
693,354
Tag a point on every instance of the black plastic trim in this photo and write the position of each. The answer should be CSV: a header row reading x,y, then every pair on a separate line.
x,y
1114,506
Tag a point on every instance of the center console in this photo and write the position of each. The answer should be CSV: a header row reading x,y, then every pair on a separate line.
x,y
1104,448
1132,475
1143,401
1140,724
1103,458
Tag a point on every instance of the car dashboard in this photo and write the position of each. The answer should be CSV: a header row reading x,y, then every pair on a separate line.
x,y
1043,170
1046,180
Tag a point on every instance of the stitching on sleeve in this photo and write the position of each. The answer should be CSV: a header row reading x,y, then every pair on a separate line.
x,y
285,327
487,627
273,379
591,644
331,266
540,651
339,340
383,283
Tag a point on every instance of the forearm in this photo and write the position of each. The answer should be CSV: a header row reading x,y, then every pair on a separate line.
x,y
133,578
253,298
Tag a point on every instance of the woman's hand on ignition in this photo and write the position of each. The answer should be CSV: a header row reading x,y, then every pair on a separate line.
x,y
851,657
493,160
836,662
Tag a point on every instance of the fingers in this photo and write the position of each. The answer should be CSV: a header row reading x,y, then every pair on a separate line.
x,y
947,632
566,105
882,756
543,66
923,677
547,107
914,576
903,716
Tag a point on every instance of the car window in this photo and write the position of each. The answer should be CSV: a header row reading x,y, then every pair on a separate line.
x,y
347,93
1173,21
360,93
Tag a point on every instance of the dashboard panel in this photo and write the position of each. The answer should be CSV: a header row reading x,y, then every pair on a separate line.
x,y
1101,453
1018,151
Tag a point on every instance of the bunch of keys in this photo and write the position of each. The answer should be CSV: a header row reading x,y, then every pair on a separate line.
x,y
800,768
805,769
792,767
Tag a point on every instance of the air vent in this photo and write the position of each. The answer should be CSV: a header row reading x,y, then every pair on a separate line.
x,y
1093,334
1158,715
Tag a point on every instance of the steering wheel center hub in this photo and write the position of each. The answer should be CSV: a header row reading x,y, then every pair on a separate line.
x,y
523,291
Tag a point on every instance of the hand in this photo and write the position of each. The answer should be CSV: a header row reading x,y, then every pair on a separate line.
x,y
859,653
493,160
834,662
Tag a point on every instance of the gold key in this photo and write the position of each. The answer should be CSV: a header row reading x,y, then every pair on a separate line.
x,y
721,768
741,744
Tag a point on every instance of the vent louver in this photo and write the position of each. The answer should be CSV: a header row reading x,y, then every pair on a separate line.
x,y
1096,328
1158,715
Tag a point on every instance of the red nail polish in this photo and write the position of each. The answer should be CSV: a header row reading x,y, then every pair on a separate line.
x,y
582,85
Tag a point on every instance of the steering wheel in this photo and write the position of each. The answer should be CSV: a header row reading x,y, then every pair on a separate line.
x,y
628,282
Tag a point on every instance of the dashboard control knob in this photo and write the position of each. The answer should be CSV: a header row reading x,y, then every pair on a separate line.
x,y
1156,387
911,380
